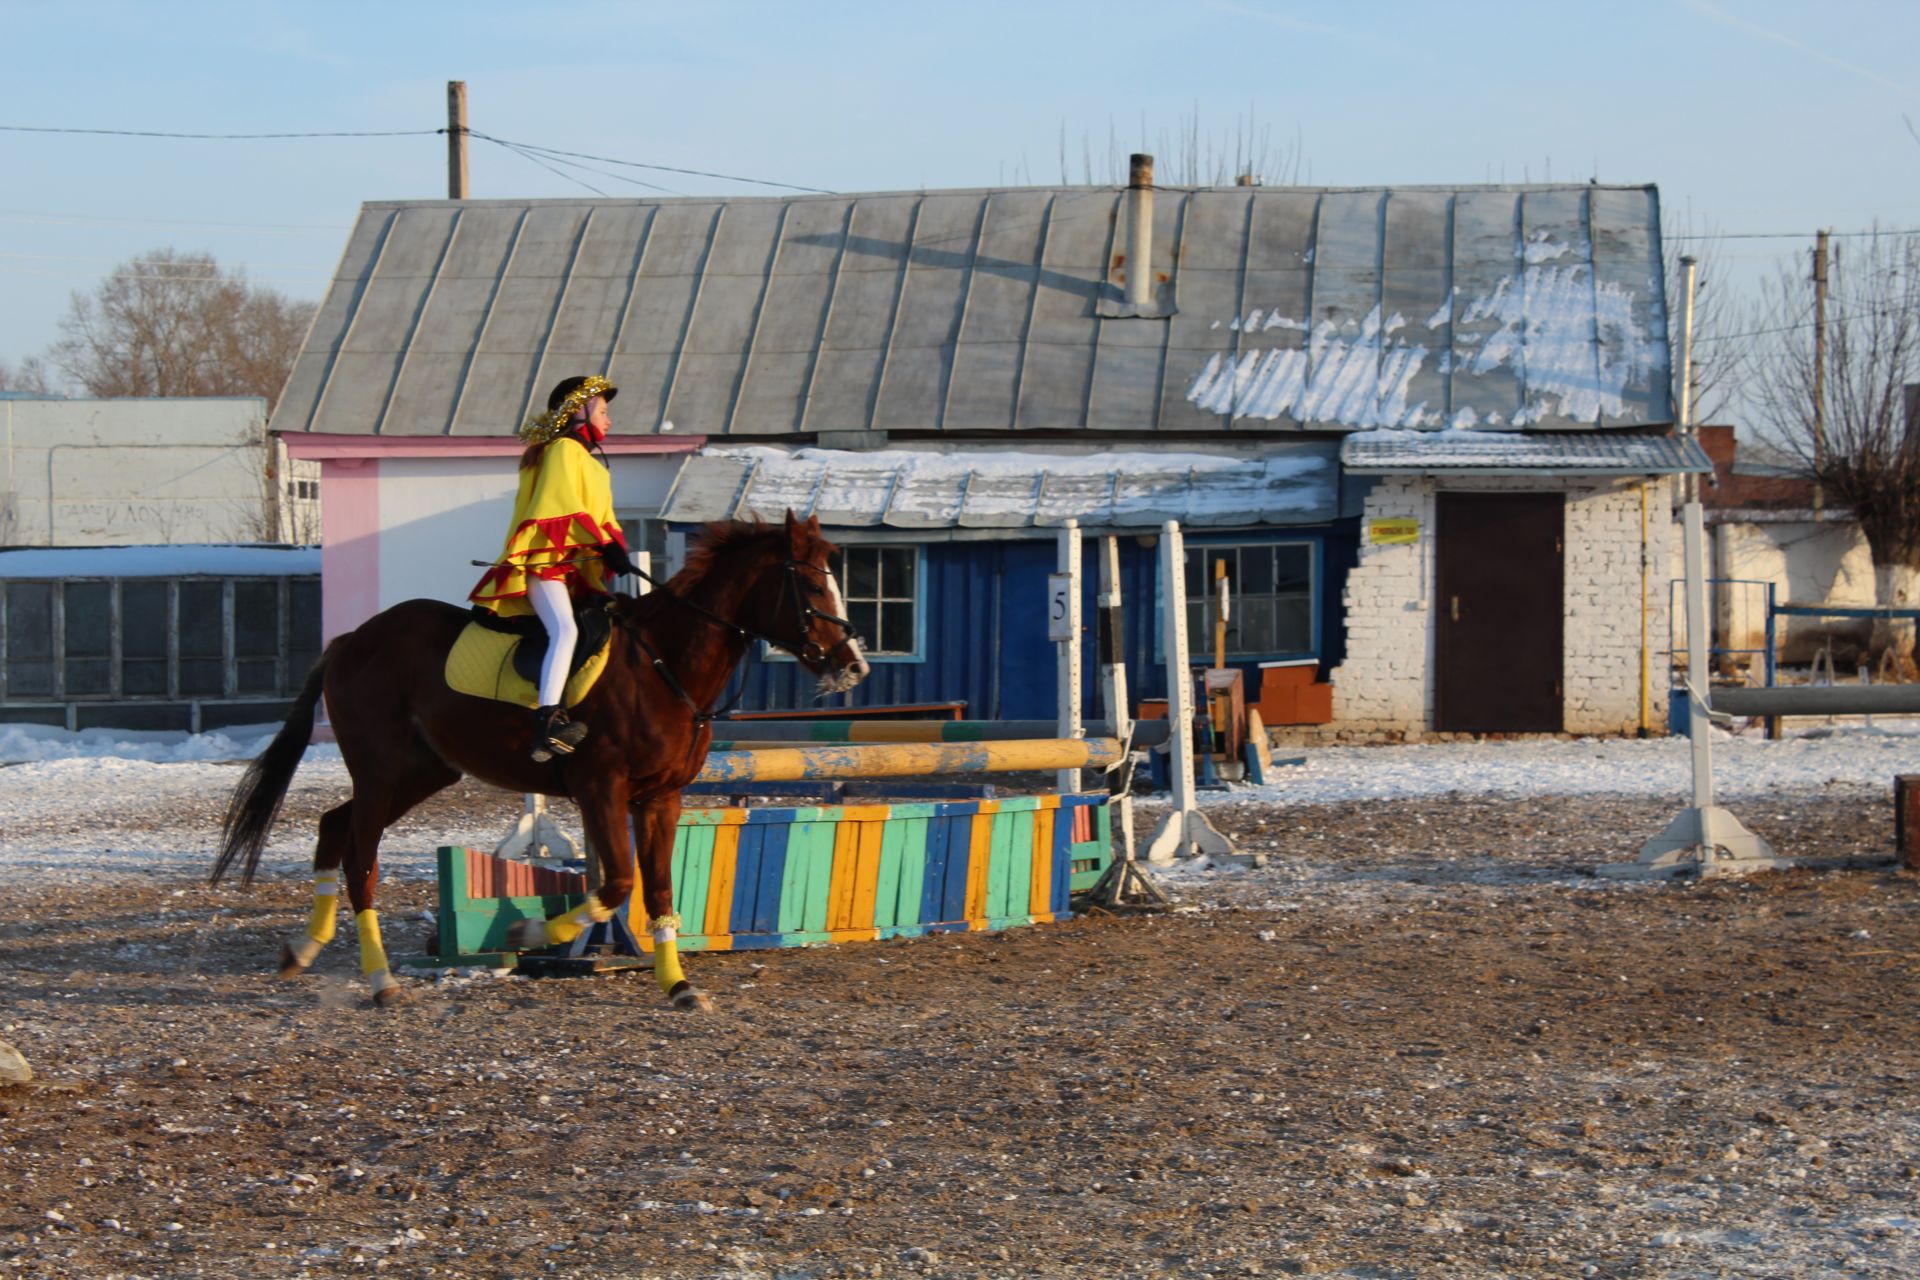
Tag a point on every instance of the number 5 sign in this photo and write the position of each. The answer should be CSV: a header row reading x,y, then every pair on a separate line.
x,y
1059,610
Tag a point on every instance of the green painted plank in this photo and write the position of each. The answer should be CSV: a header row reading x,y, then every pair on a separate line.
x,y
693,877
895,843
804,882
1000,858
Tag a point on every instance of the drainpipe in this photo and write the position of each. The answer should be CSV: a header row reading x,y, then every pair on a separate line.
x,y
1139,230
1646,661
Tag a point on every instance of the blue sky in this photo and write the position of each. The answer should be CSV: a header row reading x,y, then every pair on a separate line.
x,y
1752,117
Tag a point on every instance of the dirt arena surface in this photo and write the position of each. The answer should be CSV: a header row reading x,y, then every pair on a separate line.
x,y
1422,1042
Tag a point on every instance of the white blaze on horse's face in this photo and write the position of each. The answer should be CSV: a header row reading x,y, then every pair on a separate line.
x,y
856,669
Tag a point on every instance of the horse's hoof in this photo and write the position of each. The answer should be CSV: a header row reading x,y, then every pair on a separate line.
x,y
290,964
689,997
388,997
526,935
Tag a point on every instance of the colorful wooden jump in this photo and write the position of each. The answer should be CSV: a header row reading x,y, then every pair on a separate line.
x,y
779,877
907,759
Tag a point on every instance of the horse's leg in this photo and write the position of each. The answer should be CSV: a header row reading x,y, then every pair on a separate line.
x,y
296,954
603,801
396,787
656,820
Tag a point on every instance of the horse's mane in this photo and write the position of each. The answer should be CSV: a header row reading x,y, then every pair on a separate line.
x,y
715,538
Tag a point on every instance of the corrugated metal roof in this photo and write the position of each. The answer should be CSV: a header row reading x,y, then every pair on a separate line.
x,y
981,312
1513,452
921,490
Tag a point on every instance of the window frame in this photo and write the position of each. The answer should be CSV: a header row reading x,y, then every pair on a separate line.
x,y
919,600
1200,647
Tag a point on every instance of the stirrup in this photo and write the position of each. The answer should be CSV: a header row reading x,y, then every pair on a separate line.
x,y
554,734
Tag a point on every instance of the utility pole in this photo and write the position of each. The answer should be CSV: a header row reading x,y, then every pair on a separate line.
x,y
1819,367
457,140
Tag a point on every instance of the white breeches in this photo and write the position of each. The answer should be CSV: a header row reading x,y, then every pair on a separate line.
x,y
554,605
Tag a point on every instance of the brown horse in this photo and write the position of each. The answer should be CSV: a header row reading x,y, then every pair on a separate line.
x,y
405,735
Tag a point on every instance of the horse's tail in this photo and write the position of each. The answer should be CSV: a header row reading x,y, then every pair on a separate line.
x,y
256,801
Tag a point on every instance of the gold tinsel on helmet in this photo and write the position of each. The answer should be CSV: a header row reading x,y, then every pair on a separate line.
x,y
543,427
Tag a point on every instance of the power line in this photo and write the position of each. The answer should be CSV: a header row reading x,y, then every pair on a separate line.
x,y
225,137
524,154
1870,313
540,156
662,168
1792,235
524,148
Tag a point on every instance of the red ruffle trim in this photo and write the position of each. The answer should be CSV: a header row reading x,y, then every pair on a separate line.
x,y
556,532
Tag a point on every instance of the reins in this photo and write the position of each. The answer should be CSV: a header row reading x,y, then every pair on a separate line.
x,y
809,651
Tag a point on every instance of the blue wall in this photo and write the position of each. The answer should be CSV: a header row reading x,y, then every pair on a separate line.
x,y
985,641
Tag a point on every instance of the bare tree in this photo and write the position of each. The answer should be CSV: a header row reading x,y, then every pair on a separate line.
x,y
173,324
1864,449
30,375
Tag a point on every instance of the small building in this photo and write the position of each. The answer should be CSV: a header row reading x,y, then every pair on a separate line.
x,y
149,472
1329,388
147,574
1771,530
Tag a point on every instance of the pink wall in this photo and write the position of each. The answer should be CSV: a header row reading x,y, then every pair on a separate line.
x,y
349,543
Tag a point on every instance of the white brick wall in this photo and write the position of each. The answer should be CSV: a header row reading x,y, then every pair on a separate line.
x,y
1384,688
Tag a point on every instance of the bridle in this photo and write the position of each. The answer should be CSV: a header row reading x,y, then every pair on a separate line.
x,y
806,613
809,650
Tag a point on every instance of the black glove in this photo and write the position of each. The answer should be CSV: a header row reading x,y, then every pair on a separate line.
x,y
615,557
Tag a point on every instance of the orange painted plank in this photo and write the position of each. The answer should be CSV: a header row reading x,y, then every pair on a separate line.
x,y
1040,884
979,857
726,854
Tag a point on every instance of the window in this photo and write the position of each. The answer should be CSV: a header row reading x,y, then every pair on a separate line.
x,y
29,621
141,639
1271,598
879,583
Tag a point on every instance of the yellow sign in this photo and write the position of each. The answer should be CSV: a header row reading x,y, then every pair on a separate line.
x,y
1392,532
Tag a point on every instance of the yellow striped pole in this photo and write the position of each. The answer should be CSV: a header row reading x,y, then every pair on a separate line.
x,y
908,760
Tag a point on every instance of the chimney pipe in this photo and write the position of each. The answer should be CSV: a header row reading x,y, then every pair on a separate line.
x,y
1139,230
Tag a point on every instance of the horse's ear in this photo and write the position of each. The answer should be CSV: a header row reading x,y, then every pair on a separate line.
x,y
797,534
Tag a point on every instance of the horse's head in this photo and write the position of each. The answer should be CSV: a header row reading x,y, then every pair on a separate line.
x,y
809,616
774,583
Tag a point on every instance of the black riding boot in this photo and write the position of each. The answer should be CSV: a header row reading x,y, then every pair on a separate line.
x,y
554,734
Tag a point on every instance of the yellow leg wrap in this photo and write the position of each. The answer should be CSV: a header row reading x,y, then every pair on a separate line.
x,y
373,956
564,928
326,906
666,952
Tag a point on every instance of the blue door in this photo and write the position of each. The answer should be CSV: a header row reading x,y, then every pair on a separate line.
x,y
1027,664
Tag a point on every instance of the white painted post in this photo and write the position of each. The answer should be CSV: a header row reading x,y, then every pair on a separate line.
x,y
1064,626
1694,838
536,837
643,560
1112,657
1183,832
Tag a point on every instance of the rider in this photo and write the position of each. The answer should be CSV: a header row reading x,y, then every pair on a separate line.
x,y
563,543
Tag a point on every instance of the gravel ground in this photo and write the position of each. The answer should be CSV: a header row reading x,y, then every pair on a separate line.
x,y
1422,1041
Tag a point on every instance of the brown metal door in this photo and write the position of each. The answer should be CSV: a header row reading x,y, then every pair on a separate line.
x,y
1500,573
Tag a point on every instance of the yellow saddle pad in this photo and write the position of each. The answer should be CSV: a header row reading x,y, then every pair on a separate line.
x,y
481,664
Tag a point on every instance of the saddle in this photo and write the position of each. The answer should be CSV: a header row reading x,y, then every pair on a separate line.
x,y
590,618
499,658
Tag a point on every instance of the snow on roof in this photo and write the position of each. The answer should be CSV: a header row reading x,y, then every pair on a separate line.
x,y
1386,452
212,561
914,489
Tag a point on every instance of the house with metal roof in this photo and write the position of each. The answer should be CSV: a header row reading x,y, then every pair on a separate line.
x,y
1418,424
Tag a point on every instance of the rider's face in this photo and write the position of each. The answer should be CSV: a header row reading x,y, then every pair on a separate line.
x,y
597,415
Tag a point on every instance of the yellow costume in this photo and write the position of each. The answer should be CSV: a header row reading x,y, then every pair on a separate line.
x,y
562,514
